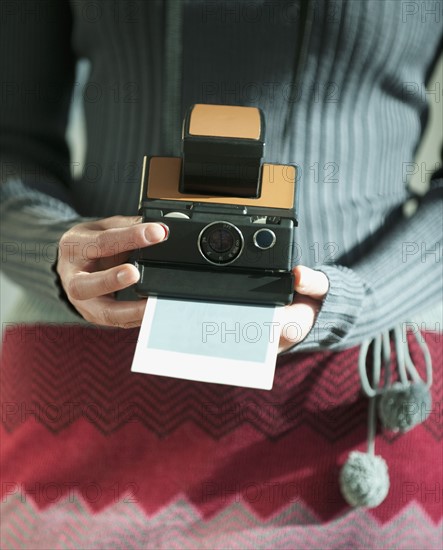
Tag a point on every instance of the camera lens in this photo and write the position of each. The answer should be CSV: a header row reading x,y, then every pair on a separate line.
x,y
220,240
220,243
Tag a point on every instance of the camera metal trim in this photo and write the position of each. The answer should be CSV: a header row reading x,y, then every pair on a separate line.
x,y
242,243
269,231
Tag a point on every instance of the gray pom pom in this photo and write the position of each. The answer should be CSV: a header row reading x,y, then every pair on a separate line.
x,y
403,407
364,480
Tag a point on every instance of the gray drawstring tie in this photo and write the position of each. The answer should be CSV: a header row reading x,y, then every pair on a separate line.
x,y
364,478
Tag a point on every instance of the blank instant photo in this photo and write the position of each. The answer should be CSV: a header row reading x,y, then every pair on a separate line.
x,y
209,342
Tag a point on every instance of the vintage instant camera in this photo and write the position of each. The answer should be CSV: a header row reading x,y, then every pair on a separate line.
x,y
231,217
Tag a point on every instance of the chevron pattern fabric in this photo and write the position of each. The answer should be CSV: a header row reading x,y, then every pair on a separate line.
x,y
94,456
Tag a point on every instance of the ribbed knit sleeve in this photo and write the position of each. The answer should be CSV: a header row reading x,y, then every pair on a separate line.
x,y
31,226
400,276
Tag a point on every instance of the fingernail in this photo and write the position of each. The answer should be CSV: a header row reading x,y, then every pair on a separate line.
x,y
156,232
166,228
298,277
124,276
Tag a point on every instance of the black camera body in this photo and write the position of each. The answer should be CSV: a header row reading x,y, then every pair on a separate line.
x,y
231,217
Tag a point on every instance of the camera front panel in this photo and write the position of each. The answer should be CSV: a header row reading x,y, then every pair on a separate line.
x,y
237,242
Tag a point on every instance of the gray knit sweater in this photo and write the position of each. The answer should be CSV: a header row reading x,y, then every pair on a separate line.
x,y
342,88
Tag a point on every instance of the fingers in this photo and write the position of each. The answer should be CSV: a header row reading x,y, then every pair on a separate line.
x,y
89,267
106,311
117,221
117,240
311,287
84,286
89,242
310,282
297,321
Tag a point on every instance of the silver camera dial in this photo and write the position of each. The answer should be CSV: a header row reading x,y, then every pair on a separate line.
x,y
220,243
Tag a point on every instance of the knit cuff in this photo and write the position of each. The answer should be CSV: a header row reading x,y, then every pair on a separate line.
x,y
338,313
32,225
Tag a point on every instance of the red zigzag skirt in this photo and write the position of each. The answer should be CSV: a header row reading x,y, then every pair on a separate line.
x,y
95,456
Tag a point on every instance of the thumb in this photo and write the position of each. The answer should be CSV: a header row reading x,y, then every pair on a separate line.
x,y
310,282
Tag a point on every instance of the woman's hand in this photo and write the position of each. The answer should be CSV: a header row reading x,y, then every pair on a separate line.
x,y
298,318
91,267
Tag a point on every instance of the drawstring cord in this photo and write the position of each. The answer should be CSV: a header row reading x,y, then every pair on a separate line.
x,y
364,478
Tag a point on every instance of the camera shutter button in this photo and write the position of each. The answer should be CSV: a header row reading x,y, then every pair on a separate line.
x,y
264,239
